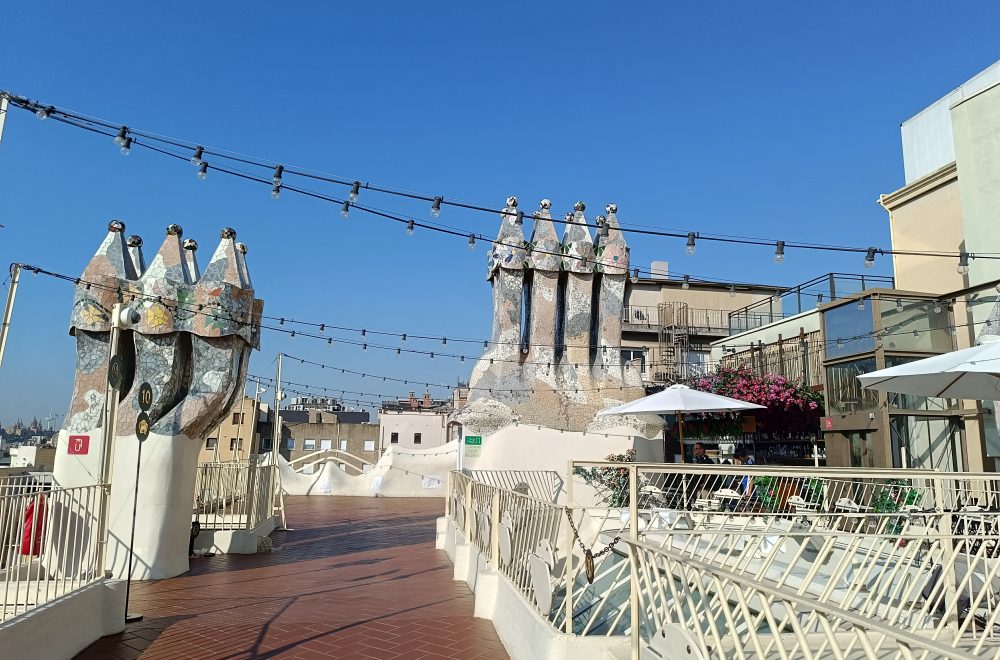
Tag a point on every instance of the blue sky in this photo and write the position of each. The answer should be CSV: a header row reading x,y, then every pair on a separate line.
x,y
769,119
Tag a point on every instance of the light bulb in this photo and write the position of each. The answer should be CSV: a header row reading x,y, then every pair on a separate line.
x,y
963,263
691,248
819,299
409,227
840,343
870,258
861,305
276,190
120,138
472,241
937,308
436,207
278,171
899,304
397,351
364,347
403,338
203,171
444,341
779,252
732,290
686,284
346,209
198,153
635,275
916,333
126,147
43,113
355,189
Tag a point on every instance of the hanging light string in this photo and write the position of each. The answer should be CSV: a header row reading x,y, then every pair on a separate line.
x,y
216,312
128,137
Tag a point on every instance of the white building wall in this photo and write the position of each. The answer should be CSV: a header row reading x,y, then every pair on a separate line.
x,y
430,425
928,143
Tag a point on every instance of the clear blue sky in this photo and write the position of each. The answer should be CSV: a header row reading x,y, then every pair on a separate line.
x,y
771,119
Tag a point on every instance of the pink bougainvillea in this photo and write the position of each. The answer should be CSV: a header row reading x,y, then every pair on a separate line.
x,y
790,407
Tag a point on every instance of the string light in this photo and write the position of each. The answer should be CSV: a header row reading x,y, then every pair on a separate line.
x,y
198,153
899,304
870,257
126,147
120,138
861,304
355,189
779,252
686,284
345,210
278,171
436,207
937,307
409,227
635,275
276,190
963,263
44,113
819,299
472,241
203,170
732,290
691,247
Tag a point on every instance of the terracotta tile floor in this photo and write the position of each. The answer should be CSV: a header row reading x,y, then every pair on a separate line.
x,y
357,578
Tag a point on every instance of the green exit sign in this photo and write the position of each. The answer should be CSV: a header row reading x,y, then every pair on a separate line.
x,y
474,440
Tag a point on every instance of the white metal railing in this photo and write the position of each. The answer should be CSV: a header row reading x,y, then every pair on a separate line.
x,y
235,494
48,543
539,484
322,455
752,561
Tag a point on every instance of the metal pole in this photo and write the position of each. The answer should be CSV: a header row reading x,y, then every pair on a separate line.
x,y
107,445
254,449
131,542
15,277
276,422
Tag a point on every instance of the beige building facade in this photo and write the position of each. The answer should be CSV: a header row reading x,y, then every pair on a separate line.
x,y
351,443
950,202
232,439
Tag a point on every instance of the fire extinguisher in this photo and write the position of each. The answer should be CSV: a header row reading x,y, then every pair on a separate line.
x,y
34,521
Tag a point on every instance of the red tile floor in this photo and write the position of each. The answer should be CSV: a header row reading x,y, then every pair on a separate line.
x,y
357,578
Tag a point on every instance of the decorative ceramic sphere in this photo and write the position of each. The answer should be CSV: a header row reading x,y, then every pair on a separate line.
x,y
227,232
512,202
116,225
600,220
546,203
134,241
242,247
190,244
568,217
611,208
175,230
579,206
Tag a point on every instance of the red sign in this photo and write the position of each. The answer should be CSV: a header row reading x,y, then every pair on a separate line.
x,y
828,423
79,444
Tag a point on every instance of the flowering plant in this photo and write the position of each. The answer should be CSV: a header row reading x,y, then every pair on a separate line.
x,y
611,483
789,406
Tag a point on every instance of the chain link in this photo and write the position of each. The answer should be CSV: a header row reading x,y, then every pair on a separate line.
x,y
576,534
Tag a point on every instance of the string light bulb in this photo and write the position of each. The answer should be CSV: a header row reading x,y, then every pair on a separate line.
x,y
276,190
120,138
472,241
963,263
44,113
203,170
278,171
840,343
364,347
899,304
345,210
198,153
691,247
819,299
126,147
861,305
436,207
635,275
355,190
686,284
732,290
409,227
779,252
937,307
870,257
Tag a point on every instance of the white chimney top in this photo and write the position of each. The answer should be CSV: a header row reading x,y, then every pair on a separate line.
x,y
660,269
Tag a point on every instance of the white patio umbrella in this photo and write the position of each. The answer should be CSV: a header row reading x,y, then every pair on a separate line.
x,y
679,399
969,373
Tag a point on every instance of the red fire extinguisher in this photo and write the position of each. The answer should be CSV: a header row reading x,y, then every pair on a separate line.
x,y
34,521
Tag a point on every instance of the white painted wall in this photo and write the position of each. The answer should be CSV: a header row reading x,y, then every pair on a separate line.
x,y
63,627
928,143
430,425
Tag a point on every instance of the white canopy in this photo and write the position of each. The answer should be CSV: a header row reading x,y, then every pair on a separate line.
x,y
680,399
970,373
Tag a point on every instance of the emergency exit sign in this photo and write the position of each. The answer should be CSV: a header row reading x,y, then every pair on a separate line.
x,y
474,440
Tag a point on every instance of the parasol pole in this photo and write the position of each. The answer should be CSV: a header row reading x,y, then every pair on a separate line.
x,y
680,432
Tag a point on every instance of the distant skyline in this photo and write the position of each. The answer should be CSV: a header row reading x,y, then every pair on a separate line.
x,y
778,120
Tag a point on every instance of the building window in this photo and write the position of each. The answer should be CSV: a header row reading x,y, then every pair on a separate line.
x,y
308,444
394,438
211,443
343,445
291,443
265,444
238,418
369,445
235,444
416,438
629,354
844,394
